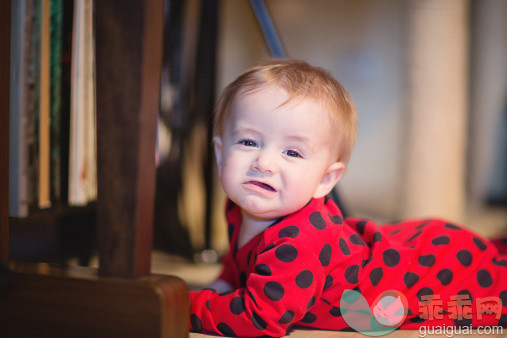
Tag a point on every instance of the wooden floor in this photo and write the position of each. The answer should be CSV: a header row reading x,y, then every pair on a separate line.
x,y
303,333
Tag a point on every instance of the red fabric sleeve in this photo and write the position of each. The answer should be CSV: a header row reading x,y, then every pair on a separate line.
x,y
286,281
229,270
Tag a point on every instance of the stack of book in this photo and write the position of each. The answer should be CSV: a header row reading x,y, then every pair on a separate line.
x,y
52,155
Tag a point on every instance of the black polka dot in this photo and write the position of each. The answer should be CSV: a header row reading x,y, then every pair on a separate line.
x,y
395,232
377,237
304,279
225,330
391,257
417,320
356,239
344,247
263,270
230,205
503,262
325,255
286,253
317,220
196,323
426,260
410,279
484,278
366,261
258,322
207,305
242,278
479,243
376,275
237,305
426,291
337,219
414,236
311,303
351,274
503,297
274,290
269,247
335,312
422,225
326,301
502,321
287,317
452,226
464,322
328,282
249,257
252,297
309,318
445,276
464,257
290,231
441,240
360,227
225,293
465,292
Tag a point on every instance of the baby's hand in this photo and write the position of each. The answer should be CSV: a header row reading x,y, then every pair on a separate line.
x,y
220,285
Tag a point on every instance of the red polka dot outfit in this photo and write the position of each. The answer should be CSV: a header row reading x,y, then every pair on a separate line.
x,y
295,272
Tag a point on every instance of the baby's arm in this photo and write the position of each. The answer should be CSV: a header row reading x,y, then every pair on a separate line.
x,y
220,285
287,281
225,280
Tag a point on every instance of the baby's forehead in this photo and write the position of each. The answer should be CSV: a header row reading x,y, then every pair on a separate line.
x,y
283,97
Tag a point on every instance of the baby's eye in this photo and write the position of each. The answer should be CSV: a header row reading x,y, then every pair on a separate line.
x,y
248,143
292,153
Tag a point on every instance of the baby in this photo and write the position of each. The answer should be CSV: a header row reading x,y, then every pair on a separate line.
x,y
283,136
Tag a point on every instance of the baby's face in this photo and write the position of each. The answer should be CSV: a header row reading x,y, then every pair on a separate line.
x,y
273,159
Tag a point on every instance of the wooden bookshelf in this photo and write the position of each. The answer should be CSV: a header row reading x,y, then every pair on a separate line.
x,y
5,40
121,299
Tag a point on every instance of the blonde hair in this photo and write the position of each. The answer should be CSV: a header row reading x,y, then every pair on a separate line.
x,y
302,81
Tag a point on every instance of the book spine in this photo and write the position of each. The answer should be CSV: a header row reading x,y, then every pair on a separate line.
x,y
18,144
45,119
82,154
34,102
56,93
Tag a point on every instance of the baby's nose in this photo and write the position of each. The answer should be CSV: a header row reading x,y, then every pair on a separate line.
x,y
265,162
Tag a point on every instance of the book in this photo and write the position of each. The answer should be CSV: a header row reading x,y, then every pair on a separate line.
x,y
82,151
45,118
56,29
33,102
22,22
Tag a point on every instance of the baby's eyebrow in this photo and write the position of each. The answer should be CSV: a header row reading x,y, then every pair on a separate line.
x,y
244,130
300,139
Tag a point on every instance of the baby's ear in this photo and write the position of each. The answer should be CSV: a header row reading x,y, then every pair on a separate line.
x,y
332,175
217,142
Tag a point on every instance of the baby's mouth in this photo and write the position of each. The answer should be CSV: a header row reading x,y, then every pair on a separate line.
x,y
262,185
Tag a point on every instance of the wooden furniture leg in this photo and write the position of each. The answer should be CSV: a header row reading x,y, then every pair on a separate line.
x,y
123,300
